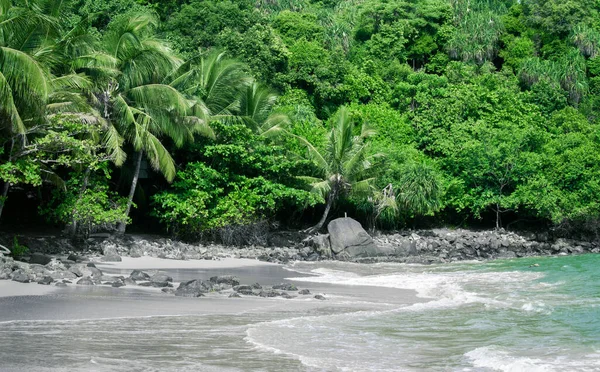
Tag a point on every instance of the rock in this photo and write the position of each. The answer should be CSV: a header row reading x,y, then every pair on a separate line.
x,y
55,265
136,252
129,281
304,292
234,294
406,248
169,291
82,270
320,244
256,286
74,258
225,279
139,275
320,297
40,259
19,276
286,295
111,258
91,264
347,236
60,284
193,288
118,284
110,250
47,280
269,293
244,289
85,281
161,279
285,287
63,275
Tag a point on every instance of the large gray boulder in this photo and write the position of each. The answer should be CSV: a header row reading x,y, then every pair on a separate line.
x,y
40,259
348,238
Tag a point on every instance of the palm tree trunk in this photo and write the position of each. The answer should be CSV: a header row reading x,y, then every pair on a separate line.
x,y
136,175
4,196
319,225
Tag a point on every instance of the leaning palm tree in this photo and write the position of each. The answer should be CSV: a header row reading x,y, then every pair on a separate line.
x,y
344,165
136,101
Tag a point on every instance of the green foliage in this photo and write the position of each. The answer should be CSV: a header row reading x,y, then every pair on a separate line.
x,y
18,250
202,200
86,204
483,109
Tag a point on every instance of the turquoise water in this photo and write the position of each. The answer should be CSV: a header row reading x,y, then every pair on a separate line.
x,y
500,315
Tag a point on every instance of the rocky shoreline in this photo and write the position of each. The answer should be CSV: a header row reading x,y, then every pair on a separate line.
x,y
57,260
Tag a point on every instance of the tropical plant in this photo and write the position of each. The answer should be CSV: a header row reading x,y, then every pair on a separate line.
x,y
135,98
344,165
256,111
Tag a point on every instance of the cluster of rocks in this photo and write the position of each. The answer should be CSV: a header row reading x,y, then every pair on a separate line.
x,y
64,272
134,246
46,270
230,285
346,240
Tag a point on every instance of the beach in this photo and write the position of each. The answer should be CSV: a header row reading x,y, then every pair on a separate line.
x,y
504,315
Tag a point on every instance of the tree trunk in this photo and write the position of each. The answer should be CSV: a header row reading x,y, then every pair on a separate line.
x,y
86,177
4,196
319,225
136,175
498,223
6,183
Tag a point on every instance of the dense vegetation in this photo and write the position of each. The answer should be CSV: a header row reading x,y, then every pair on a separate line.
x,y
203,116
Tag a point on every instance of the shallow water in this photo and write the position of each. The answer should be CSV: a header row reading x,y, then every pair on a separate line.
x,y
500,315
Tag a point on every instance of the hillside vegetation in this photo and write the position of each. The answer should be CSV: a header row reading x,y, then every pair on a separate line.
x,y
213,118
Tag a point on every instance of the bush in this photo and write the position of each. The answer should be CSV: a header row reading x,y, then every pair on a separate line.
x,y
17,249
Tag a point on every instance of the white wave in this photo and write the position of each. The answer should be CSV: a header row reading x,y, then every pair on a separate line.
x,y
447,289
489,357
498,359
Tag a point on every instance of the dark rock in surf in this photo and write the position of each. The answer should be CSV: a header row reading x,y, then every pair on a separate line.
x,y
285,287
225,279
269,293
244,289
139,275
320,297
193,288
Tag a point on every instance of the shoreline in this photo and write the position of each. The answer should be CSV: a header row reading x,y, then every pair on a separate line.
x,y
422,246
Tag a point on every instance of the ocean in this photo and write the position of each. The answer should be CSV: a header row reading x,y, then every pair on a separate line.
x,y
526,314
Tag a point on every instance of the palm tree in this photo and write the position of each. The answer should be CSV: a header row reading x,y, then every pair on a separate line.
x,y
33,80
135,98
256,111
344,165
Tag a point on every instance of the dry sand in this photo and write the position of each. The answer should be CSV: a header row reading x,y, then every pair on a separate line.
x,y
9,288
153,263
